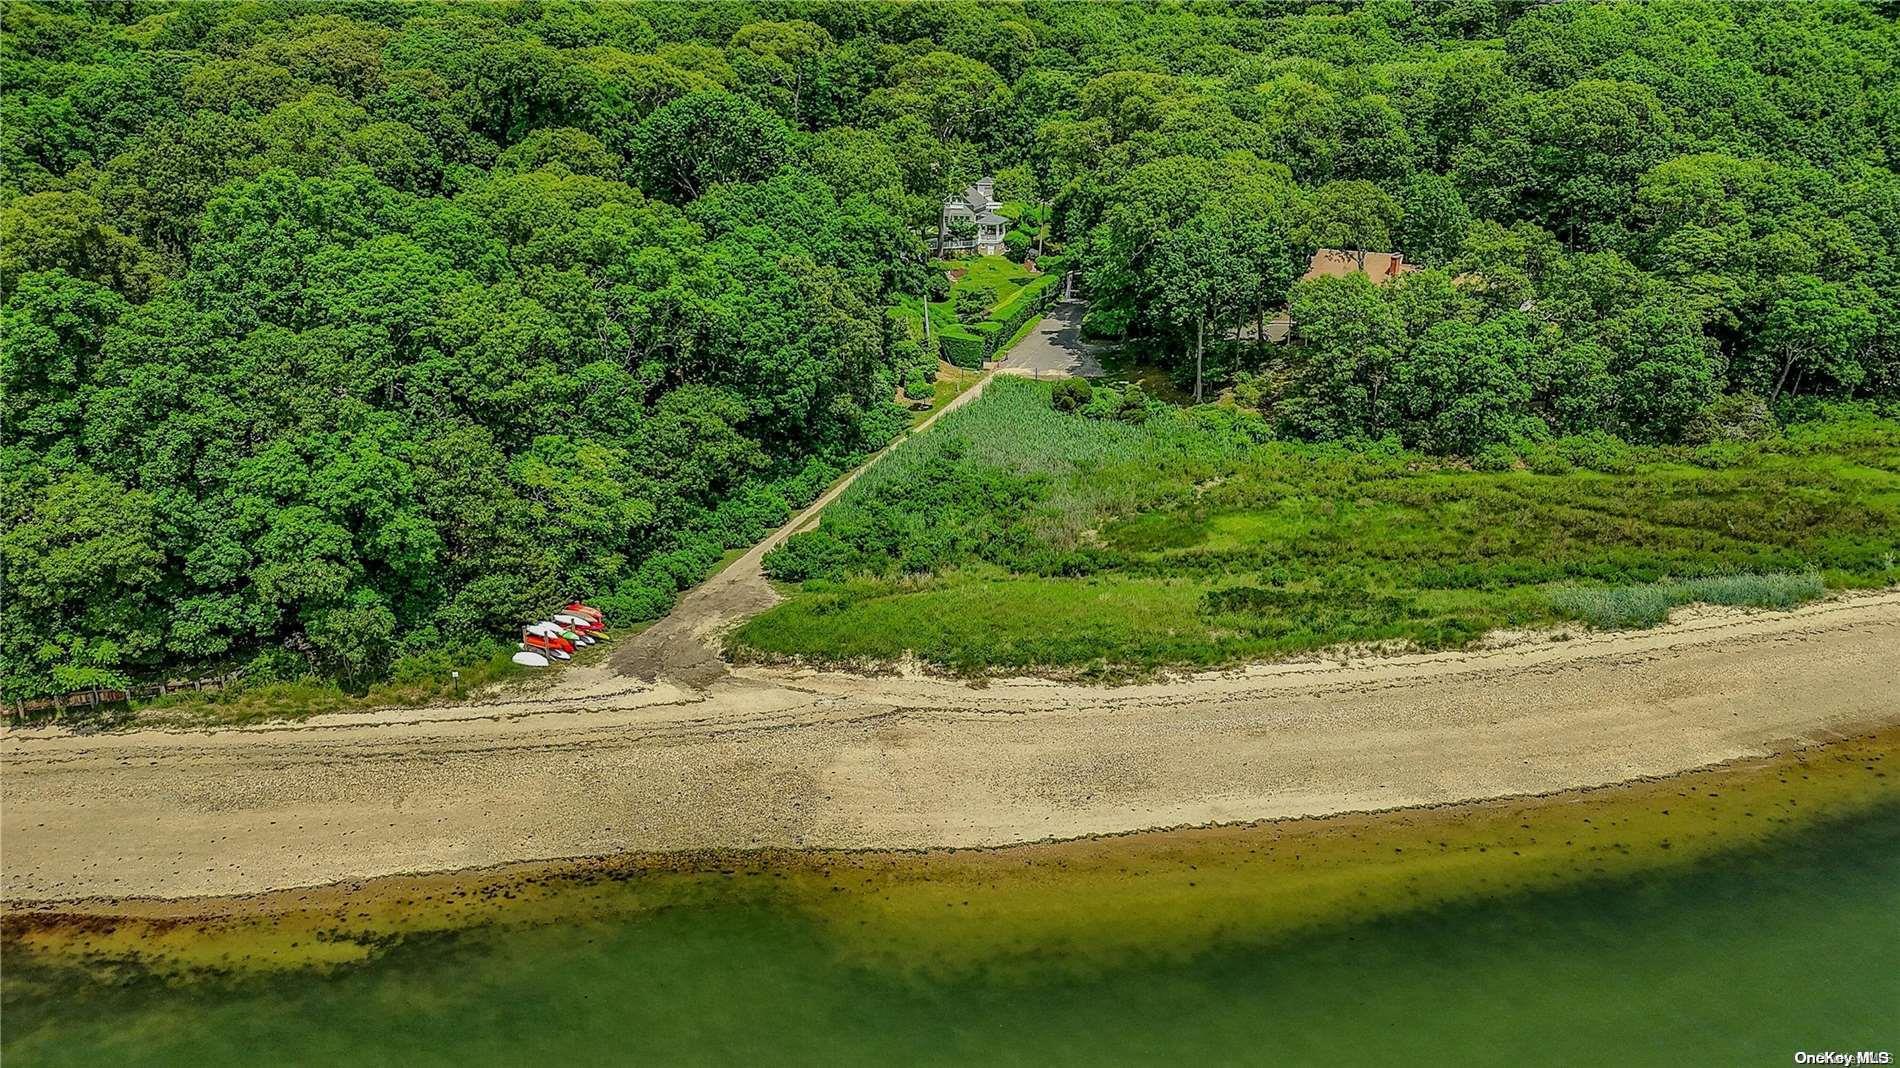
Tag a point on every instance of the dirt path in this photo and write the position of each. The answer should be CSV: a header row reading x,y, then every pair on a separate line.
x,y
684,646
666,748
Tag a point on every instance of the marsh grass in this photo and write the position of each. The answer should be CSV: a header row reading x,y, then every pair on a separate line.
x,y
1624,607
1016,537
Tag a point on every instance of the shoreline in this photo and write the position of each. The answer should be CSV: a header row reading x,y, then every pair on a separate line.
x,y
1167,891
748,763
765,859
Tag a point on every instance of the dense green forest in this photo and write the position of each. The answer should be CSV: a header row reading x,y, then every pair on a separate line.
x,y
343,334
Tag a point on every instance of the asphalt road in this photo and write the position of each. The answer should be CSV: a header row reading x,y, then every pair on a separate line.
x,y
1054,348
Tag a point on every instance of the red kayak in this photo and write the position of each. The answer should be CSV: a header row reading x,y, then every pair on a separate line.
x,y
583,624
541,641
580,609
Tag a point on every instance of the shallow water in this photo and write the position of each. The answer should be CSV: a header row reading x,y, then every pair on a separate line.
x,y
1767,942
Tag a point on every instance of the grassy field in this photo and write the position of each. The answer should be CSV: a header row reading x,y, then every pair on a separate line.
x,y
1013,536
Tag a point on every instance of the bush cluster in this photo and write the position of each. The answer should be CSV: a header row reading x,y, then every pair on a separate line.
x,y
736,523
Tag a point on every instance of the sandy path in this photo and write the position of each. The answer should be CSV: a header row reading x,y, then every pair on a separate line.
x,y
830,760
684,646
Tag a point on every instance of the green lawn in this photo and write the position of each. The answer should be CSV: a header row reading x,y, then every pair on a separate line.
x,y
1000,272
1012,537
1006,276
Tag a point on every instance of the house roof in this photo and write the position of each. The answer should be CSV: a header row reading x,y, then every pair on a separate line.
x,y
993,219
1338,263
978,196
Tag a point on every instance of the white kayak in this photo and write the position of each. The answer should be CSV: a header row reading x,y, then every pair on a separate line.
x,y
559,631
556,630
528,659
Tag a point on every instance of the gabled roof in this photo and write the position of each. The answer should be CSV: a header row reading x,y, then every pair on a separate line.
x,y
977,196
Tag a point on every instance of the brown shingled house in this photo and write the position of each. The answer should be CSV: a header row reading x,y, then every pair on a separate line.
x,y
1381,267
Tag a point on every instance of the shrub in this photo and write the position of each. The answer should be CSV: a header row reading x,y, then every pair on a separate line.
x,y
634,601
919,388
1549,461
1734,417
1495,458
1071,394
1016,244
908,354
1104,403
812,554
276,665
748,517
974,303
1136,406
1592,452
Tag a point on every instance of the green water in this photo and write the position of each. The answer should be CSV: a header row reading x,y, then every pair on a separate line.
x,y
1739,959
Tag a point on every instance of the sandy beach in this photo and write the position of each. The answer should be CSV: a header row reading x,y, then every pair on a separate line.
x,y
605,763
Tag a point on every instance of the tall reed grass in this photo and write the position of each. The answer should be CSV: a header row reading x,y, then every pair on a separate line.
x,y
1646,605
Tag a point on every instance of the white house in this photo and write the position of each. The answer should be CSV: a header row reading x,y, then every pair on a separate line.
x,y
974,209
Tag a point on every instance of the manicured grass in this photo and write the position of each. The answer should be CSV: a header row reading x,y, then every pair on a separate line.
x,y
998,272
1012,536
1006,276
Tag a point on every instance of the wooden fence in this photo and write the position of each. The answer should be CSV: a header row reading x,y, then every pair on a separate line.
x,y
99,695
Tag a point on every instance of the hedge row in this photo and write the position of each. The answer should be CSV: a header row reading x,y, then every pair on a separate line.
x,y
964,351
1002,324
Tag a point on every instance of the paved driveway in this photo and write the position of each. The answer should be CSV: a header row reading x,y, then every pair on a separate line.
x,y
1054,349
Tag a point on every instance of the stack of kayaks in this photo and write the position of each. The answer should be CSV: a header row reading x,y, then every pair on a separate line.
x,y
555,639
